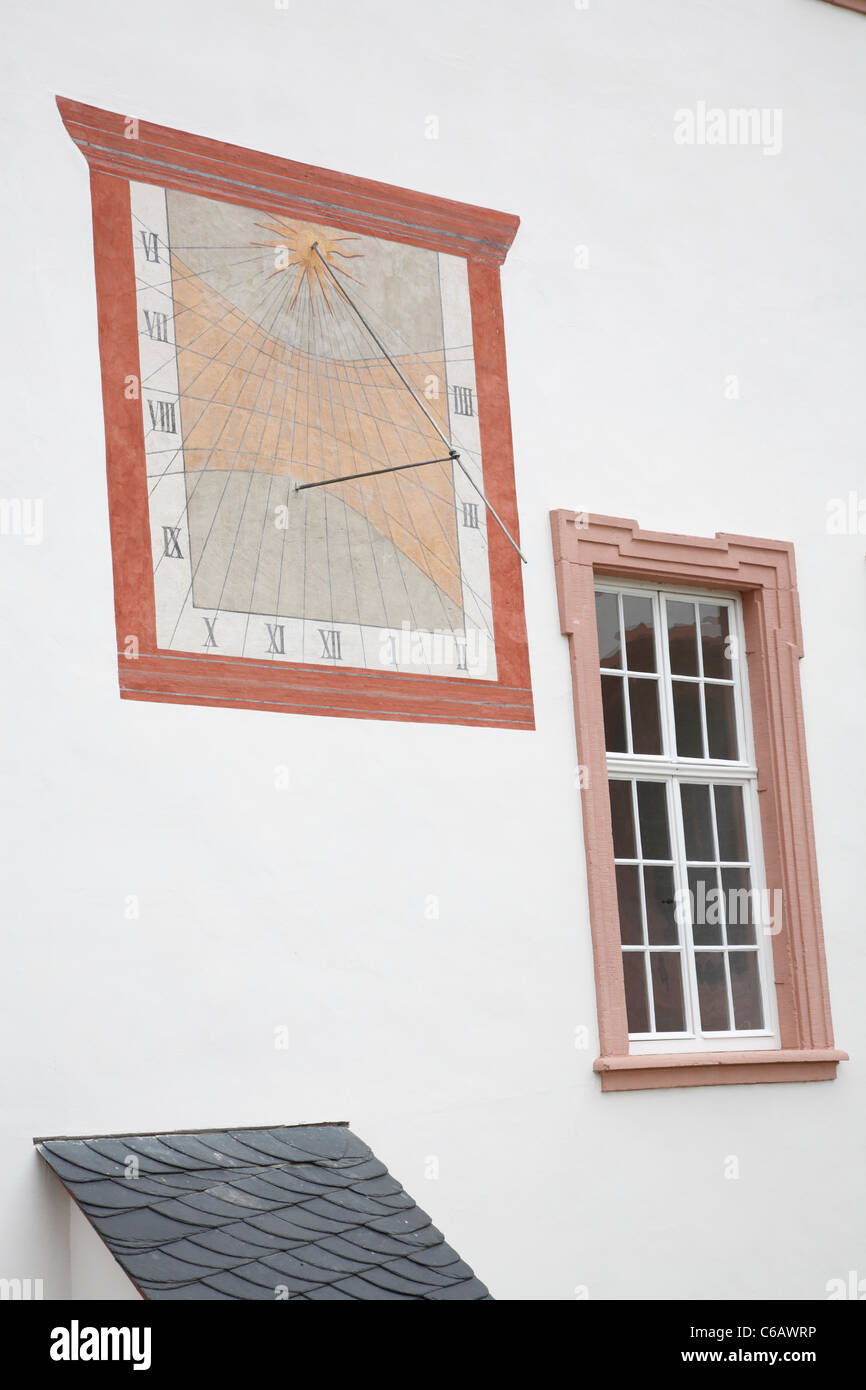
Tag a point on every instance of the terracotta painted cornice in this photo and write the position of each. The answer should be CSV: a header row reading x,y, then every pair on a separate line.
x,y
116,144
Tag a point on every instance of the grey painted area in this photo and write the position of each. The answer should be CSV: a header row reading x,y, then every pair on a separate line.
x,y
329,562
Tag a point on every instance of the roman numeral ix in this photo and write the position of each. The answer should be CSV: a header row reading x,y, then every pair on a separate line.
x,y
170,543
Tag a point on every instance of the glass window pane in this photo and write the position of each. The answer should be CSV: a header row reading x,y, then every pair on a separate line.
x,y
736,891
682,638
746,990
652,810
645,729
613,704
721,721
628,901
660,906
622,819
731,823
637,1008
640,646
687,719
712,992
714,636
706,907
695,798
667,977
607,621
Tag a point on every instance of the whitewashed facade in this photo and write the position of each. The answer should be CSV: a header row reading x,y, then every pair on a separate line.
x,y
686,326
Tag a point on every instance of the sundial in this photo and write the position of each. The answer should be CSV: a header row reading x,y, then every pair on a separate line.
x,y
309,459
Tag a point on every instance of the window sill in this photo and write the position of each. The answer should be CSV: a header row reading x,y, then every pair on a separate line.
x,y
651,1071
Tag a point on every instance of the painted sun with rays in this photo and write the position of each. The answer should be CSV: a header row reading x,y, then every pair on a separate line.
x,y
299,247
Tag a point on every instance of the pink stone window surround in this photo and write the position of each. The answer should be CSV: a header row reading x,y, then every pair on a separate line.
x,y
589,549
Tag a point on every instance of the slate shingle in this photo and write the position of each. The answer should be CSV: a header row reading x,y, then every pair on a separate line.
x,y
239,1214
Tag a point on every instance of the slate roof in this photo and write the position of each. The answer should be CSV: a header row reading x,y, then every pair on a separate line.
x,y
242,1213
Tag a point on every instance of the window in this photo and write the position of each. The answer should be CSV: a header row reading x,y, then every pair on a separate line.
x,y
683,804
701,870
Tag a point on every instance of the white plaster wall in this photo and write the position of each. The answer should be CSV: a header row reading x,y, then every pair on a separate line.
x,y
305,907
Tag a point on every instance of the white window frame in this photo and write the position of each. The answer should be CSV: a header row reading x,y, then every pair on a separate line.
x,y
672,770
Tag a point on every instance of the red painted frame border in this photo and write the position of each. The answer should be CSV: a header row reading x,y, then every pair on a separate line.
x,y
762,572
118,148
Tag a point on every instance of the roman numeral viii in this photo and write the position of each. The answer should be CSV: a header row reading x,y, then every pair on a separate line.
x,y
162,416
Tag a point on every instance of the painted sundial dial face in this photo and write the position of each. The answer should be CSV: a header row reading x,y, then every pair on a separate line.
x,y
258,374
